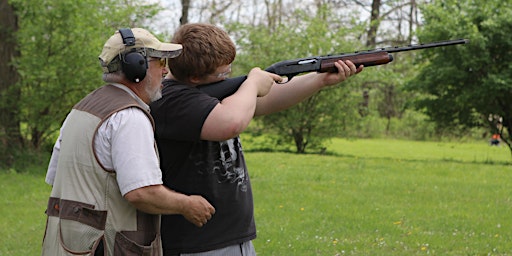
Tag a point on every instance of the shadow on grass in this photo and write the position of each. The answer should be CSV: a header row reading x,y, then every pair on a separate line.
x,y
412,160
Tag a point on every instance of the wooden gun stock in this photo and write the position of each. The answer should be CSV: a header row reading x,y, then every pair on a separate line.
x,y
366,59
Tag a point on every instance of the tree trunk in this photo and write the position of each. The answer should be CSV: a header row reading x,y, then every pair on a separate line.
x,y
371,41
413,14
185,7
10,136
274,10
300,144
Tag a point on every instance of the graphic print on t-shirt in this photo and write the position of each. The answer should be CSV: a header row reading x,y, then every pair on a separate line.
x,y
224,161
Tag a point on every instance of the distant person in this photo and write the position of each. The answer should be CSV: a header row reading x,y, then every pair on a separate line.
x,y
197,135
495,139
107,189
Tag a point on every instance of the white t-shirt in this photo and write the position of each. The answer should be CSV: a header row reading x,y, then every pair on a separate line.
x,y
124,143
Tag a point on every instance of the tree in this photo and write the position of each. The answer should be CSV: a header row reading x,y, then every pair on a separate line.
x,y
9,125
388,107
59,43
468,84
391,23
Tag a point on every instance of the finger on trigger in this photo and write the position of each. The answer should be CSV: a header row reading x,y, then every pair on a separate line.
x,y
277,78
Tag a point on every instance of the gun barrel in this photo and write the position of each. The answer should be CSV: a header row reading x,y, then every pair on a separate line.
x,y
424,46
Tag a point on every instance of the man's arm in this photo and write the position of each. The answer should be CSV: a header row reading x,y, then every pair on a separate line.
x,y
158,199
138,174
52,165
283,96
233,114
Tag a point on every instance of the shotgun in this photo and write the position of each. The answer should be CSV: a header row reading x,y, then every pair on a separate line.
x,y
322,64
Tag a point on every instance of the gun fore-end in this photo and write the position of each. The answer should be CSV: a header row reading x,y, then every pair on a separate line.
x,y
365,59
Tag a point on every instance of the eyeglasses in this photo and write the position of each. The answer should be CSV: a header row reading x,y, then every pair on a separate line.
x,y
223,74
161,61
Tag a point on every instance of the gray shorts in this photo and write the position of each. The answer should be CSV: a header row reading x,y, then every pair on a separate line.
x,y
244,249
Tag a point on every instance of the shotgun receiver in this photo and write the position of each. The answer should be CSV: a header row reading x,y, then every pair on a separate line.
x,y
322,64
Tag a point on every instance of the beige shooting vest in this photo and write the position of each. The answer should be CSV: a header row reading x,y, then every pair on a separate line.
x,y
86,206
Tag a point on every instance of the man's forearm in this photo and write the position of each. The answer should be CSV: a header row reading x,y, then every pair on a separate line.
x,y
283,96
157,199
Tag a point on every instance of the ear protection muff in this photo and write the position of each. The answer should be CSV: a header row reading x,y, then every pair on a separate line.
x,y
133,63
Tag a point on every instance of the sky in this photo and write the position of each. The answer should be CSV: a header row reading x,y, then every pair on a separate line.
x,y
168,19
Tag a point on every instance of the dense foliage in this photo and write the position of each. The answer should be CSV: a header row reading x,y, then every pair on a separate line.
x,y
471,85
323,115
58,43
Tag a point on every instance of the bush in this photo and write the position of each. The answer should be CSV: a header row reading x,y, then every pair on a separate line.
x,y
23,160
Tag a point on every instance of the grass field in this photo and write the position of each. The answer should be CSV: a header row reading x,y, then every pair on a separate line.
x,y
365,197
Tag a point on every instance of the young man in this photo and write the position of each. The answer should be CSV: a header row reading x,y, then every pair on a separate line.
x,y
197,136
107,186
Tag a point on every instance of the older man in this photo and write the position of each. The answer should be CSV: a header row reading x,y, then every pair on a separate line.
x,y
107,186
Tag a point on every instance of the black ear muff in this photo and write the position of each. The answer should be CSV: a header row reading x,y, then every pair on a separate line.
x,y
133,63
134,66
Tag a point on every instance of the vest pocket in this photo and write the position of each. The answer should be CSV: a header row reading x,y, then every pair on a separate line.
x,y
80,226
78,238
149,243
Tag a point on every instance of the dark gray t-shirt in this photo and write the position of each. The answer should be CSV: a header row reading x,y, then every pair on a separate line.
x,y
215,170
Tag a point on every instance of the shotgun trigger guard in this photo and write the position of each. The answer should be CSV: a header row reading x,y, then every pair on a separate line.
x,y
287,79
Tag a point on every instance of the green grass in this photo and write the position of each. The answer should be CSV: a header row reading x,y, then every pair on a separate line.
x,y
476,152
22,207
381,197
366,197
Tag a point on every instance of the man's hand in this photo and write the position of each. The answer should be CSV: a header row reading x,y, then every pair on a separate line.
x,y
158,199
198,210
345,70
263,79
